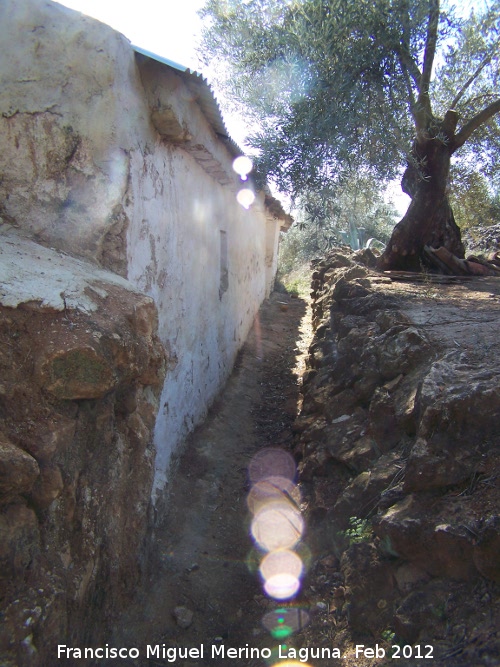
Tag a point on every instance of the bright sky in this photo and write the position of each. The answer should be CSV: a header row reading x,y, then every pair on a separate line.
x,y
169,28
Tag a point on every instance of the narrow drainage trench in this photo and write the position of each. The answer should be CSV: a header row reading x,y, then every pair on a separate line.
x,y
201,589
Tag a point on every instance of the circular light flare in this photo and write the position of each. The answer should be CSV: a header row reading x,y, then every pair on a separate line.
x,y
284,621
243,165
271,462
278,525
272,489
283,561
245,198
282,586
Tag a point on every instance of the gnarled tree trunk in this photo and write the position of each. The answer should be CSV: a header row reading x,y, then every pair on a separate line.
x,y
429,219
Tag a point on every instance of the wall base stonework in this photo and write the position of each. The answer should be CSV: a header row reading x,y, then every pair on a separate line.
x,y
81,370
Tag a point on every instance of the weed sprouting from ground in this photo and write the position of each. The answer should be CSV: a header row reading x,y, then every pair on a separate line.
x,y
297,282
360,530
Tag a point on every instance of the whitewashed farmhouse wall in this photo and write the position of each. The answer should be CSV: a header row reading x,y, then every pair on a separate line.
x,y
115,157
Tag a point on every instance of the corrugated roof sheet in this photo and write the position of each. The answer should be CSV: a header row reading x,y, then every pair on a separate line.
x,y
201,90
199,87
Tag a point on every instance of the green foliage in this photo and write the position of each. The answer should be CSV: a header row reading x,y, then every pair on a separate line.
x,y
349,215
360,530
297,247
388,636
342,86
473,201
354,205
297,281
473,56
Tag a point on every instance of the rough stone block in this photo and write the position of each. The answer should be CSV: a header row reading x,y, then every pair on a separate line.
x,y
18,471
19,540
77,373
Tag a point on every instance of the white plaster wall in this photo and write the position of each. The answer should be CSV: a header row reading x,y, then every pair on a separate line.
x,y
178,208
66,83
83,169
174,250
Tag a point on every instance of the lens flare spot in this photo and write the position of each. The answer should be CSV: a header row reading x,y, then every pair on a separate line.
x,y
283,622
271,489
271,462
281,632
277,525
245,197
253,560
291,663
281,562
243,166
282,586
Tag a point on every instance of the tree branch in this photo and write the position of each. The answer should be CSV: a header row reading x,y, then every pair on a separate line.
x,y
403,50
475,122
473,77
411,96
410,65
424,103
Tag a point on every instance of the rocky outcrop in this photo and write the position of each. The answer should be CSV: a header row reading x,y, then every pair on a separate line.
x,y
81,370
399,449
483,240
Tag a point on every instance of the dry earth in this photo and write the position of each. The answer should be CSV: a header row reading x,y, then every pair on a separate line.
x,y
203,560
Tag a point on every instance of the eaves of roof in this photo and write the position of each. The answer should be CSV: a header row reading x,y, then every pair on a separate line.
x,y
202,92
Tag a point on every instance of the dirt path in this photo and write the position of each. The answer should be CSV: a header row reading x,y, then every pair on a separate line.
x,y
202,589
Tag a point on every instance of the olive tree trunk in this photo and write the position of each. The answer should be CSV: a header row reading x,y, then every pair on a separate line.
x,y
429,219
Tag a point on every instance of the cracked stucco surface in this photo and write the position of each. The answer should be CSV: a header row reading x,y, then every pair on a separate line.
x,y
30,272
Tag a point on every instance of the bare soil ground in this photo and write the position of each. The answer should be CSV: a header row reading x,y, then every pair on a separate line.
x,y
203,560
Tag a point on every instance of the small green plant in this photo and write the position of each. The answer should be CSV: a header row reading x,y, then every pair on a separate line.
x,y
297,282
360,530
440,610
388,636
293,287
356,238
